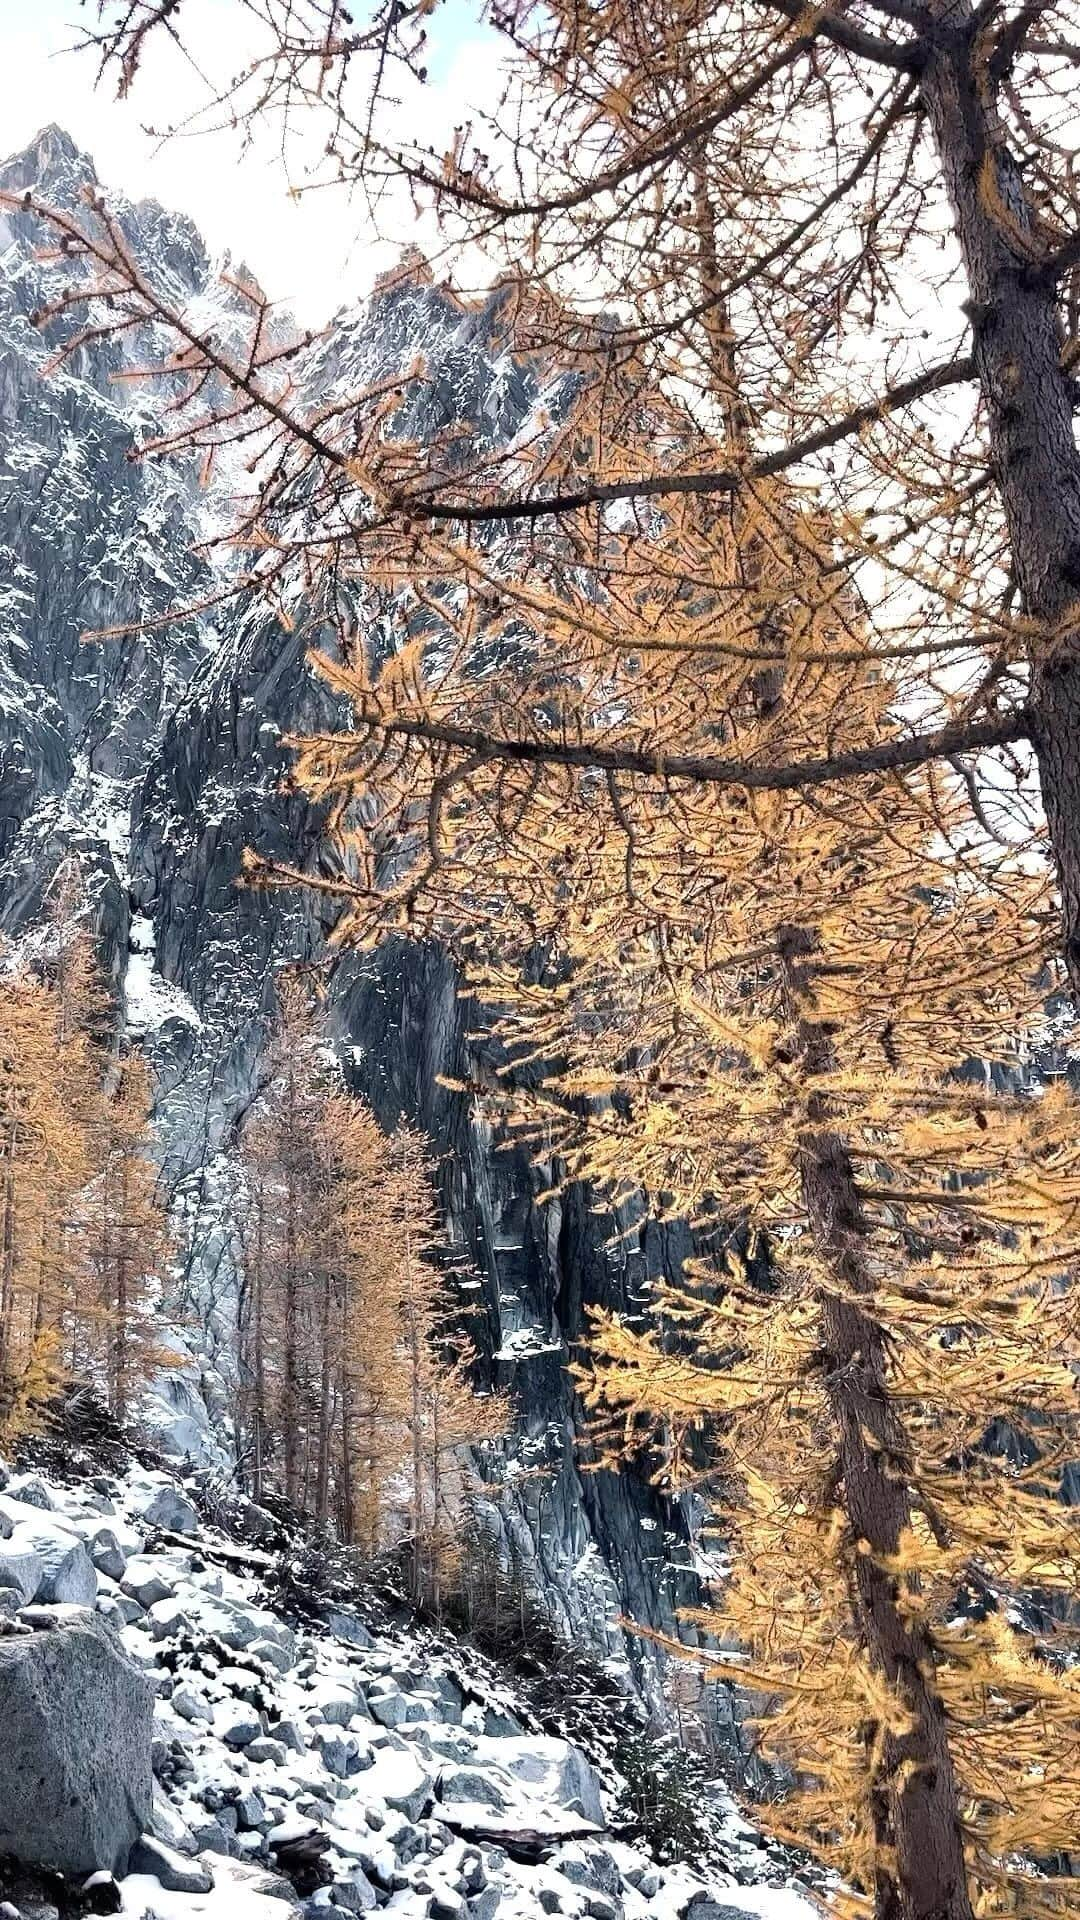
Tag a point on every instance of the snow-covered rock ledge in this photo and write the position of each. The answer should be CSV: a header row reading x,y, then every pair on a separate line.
x,y
318,1769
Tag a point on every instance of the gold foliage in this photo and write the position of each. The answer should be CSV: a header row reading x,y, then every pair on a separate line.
x,y
83,1240
358,1400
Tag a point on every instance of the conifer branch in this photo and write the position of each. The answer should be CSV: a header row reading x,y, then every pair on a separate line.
x,y
725,480
886,756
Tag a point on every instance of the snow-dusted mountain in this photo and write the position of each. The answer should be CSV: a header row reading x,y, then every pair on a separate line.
x,y
158,760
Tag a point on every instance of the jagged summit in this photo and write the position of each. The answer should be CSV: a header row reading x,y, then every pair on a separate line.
x,y
51,161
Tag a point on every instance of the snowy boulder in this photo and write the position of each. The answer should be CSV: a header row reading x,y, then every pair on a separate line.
x,y
703,1907
240,1729
475,1786
161,1504
643,1877
20,1569
240,1627
106,1553
289,1735
57,1613
341,1752
110,1611
67,1571
586,1865
354,1892
31,1490
129,1610
400,1780
144,1581
500,1725
553,1771
191,1704
75,1778
348,1627
336,1702
167,1619
392,1708
171,1870
273,1654
166,1825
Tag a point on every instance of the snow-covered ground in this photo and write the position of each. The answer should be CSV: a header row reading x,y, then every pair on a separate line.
x,y
400,1761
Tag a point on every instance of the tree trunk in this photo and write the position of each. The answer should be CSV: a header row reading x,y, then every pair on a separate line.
x,y
1028,396
916,1806
7,1250
259,1356
120,1329
290,1412
322,1470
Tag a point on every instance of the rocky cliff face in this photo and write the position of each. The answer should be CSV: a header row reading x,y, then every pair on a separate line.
x,y
158,761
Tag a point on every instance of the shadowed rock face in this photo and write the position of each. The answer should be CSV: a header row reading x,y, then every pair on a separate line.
x,y
77,1717
158,760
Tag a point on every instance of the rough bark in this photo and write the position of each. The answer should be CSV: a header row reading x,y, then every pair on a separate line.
x,y
916,1804
1028,396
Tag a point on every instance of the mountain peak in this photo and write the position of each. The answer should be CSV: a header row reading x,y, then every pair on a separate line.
x,y
51,161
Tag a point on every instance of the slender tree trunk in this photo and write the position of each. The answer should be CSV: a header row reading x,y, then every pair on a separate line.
x,y
346,1496
436,1503
41,1291
917,1811
258,1301
1029,401
322,1470
416,1424
120,1327
7,1249
291,1395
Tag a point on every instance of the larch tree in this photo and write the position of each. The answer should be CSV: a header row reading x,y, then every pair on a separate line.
x,y
43,1160
84,1235
356,1377
290,1248
768,1010
126,1243
447,1416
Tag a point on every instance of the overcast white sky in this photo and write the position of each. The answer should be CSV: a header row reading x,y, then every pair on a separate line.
x,y
313,256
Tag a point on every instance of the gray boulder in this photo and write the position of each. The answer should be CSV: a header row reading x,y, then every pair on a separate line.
x,y
67,1571
107,1555
171,1870
191,1703
557,1772
170,1510
21,1569
76,1789
242,1730
392,1708
341,1752
471,1785
143,1581
349,1628
166,1825
28,1488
